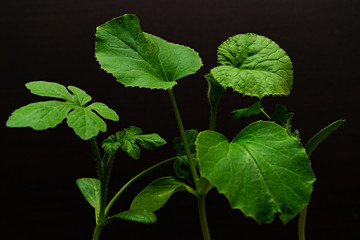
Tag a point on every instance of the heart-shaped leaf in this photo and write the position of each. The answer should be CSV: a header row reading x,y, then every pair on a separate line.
x,y
254,66
139,59
263,171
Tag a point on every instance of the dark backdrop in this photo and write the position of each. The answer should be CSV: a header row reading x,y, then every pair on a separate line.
x,y
53,40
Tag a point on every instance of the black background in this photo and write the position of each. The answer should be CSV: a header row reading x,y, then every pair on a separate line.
x,y
54,41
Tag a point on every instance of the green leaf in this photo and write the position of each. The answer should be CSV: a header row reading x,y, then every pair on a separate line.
x,y
44,115
90,189
191,136
150,141
104,111
254,66
39,115
49,89
138,215
85,123
181,164
321,136
80,97
263,171
282,117
154,196
247,112
111,145
129,137
139,59
182,167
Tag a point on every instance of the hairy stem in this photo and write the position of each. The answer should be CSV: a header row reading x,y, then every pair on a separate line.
x,y
301,226
183,136
203,220
107,209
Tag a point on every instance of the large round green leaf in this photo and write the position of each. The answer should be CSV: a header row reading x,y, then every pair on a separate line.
x,y
139,59
263,171
254,66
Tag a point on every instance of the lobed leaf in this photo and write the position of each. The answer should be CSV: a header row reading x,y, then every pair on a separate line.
x,y
138,215
129,137
263,171
39,115
321,136
140,59
154,196
44,115
254,66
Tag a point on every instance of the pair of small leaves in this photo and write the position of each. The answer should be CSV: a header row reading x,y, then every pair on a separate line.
x,y
140,59
43,115
128,139
263,171
254,66
181,164
91,190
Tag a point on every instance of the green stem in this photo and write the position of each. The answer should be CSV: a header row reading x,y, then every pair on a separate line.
x,y
203,220
266,115
97,154
97,232
213,117
107,209
183,136
301,226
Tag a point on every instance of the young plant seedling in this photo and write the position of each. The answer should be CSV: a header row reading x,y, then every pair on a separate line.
x,y
265,170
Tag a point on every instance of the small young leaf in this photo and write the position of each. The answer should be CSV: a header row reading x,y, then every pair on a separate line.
x,y
49,89
263,171
90,189
321,136
150,141
191,136
254,66
154,196
139,59
247,112
132,135
182,167
39,115
111,145
138,215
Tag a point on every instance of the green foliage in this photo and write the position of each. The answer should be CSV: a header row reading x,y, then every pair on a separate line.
x,y
215,90
321,136
140,59
137,215
154,196
181,164
262,171
43,115
254,66
128,139
91,190
247,112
